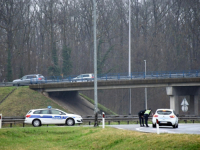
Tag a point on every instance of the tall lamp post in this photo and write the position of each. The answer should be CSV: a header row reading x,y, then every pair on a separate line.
x,y
95,69
129,69
145,87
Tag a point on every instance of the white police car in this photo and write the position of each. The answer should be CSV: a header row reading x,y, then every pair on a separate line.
x,y
38,117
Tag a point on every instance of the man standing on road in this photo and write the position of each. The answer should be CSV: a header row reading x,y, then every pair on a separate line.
x,y
146,116
141,117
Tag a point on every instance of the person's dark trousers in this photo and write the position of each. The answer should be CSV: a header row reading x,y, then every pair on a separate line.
x,y
141,120
146,119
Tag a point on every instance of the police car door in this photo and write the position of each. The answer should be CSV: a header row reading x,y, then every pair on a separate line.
x,y
57,117
45,116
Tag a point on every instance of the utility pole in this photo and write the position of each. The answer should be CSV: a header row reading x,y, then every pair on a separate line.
x,y
129,69
95,68
145,90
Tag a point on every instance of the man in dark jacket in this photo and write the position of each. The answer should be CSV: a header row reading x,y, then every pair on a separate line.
x,y
141,117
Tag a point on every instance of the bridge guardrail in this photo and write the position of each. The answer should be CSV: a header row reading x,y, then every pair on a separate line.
x,y
90,119
120,76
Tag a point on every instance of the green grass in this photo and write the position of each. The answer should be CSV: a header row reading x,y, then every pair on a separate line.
x,y
4,91
86,138
23,99
101,107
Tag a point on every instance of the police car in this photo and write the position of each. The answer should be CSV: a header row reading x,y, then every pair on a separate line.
x,y
38,117
165,117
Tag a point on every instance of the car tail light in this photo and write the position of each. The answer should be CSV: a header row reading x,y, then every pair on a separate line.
x,y
172,116
92,77
27,116
155,115
39,78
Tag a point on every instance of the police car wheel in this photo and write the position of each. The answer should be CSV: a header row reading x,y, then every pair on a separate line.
x,y
36,123
174,126
70,122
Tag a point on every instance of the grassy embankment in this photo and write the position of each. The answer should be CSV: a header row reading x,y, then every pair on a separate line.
x,y
4,91
93,138
22,100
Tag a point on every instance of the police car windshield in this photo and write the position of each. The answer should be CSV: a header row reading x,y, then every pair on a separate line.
x,y
163,112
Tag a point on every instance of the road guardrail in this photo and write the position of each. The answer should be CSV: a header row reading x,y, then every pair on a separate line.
x,y
90,119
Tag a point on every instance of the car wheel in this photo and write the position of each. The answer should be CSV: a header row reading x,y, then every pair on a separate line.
x,y
36,123
177,126
18,84
70,122
13,84
153,125
174,126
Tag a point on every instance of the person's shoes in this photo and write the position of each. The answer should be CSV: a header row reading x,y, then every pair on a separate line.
x,y
141,126
147,126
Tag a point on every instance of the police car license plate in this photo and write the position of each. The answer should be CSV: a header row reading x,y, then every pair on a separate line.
x,y
163,122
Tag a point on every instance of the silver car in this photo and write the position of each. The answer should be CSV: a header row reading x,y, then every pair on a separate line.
x,y
29,79
84,78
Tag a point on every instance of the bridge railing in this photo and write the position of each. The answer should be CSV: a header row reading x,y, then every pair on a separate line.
x,y
127,76
118,76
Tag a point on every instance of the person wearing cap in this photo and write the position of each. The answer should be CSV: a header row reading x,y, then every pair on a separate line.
x,y
146,116
141,117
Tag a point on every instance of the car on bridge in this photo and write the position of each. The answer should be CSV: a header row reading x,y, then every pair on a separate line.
x,y
29,79
165,117
84,78
39,117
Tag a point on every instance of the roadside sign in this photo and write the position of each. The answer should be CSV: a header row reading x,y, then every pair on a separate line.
x,y
184,105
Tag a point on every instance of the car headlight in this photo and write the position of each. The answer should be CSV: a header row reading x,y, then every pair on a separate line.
x,y
78,117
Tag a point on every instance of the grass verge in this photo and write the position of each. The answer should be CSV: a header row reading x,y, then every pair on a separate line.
x,y
92,138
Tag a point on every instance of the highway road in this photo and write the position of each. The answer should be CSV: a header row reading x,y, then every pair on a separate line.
x,y
182,129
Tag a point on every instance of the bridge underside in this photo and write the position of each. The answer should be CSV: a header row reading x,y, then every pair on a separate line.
x,y
175,87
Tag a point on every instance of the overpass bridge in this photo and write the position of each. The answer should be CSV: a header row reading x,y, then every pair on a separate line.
x,y
174,87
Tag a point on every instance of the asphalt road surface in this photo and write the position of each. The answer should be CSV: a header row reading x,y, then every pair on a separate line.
x,y
182,128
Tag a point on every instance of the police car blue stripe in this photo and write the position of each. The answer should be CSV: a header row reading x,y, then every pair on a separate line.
x,y
48,116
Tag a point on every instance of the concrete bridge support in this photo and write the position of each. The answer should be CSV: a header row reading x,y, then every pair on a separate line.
x,y
192,91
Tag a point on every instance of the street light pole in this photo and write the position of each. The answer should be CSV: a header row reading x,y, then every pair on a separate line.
x,y
145,90
95,68
130,52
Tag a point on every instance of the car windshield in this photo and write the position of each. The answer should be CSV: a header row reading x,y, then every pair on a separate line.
x,y
164,112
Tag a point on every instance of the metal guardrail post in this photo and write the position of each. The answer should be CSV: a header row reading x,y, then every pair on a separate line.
x,y
118,77
70,78
0,121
